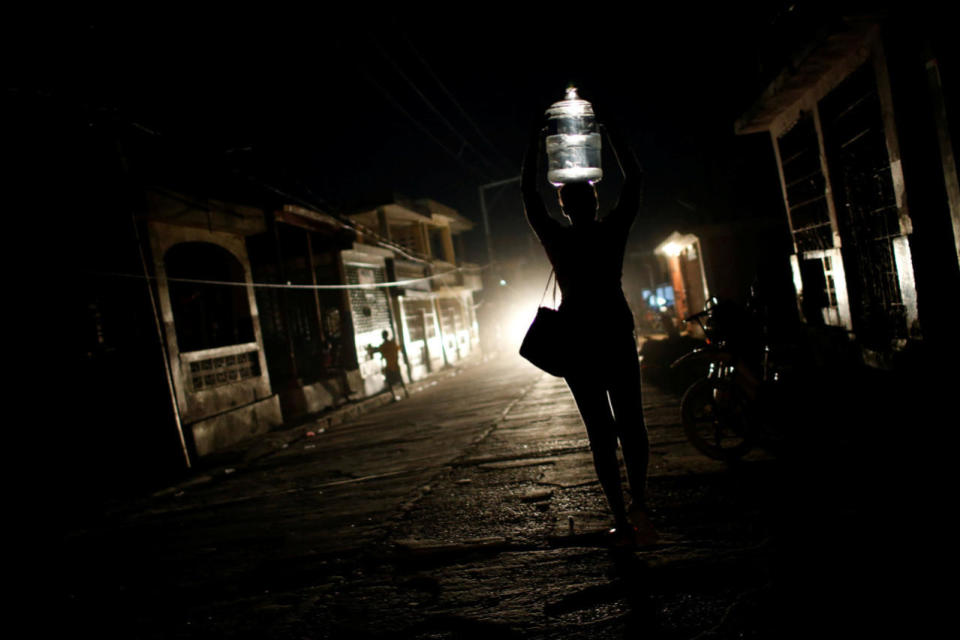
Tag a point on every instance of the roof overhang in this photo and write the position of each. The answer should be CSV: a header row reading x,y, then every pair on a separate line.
x,y
809,70
395,214
445,215
185,210
308,218
427,211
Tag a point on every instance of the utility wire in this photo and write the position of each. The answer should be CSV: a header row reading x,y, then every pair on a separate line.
x,y
456,103
346,222
466,144
323,204
475,171
273,285
118,116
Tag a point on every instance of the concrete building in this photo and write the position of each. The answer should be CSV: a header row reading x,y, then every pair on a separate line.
x,y
212,334
683,255
725,261
336,296
265,316
858,118
434,309
308,328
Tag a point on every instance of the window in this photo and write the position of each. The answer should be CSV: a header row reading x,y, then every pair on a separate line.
x,y
805,185
207,316
868,216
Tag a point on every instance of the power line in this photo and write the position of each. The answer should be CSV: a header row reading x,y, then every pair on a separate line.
x,y
118,116
464,141
456,103
392,100
273,285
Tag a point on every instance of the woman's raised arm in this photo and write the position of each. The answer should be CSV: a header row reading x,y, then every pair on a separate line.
x,y
631,194
540,221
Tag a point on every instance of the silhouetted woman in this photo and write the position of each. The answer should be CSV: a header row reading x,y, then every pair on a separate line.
x,y
587,257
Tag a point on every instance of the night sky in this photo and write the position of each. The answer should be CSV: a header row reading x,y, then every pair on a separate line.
x,y
341,114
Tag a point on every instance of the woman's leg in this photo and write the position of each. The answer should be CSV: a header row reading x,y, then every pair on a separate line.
x,y
630,428
595,410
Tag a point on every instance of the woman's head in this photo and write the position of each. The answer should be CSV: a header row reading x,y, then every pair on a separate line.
x,y
578,201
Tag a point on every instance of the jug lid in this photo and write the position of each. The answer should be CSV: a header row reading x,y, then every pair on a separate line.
x,y
571,105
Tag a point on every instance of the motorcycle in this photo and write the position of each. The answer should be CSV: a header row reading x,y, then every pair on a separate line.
x,y
729,410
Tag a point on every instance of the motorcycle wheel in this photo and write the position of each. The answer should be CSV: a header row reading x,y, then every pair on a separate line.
x,y
715,419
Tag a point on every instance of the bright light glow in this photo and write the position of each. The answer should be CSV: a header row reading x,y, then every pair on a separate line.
x,y
503,283
676,243
516,325
672,249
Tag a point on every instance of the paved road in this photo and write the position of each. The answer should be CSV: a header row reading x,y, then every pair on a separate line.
x,y
471,510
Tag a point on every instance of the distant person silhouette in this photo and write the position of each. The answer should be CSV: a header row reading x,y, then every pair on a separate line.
x,y
391,356
587,257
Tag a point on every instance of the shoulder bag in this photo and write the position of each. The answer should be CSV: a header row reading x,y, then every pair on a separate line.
x,y
543,344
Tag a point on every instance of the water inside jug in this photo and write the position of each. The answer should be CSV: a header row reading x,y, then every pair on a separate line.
x,y
573,141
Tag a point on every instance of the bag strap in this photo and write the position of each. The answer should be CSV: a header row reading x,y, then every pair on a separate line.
x,y
552,276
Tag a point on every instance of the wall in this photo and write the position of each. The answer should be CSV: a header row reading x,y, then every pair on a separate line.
x,y
222,411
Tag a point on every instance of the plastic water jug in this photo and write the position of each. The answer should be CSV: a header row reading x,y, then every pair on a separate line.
x,y
573,141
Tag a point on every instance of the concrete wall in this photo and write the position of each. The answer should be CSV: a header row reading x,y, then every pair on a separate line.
x,y
224,413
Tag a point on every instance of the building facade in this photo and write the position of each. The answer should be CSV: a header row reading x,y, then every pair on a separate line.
x,y
267,316
434,308
212,334
860,132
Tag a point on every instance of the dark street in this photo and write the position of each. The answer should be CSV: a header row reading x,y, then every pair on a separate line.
x,y
344,327
471,510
